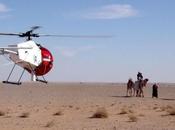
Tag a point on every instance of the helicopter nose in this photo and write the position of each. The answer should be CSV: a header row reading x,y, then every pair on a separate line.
x,y
47,62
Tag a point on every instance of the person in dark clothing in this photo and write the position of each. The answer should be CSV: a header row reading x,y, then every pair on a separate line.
x,y
139,76
155,91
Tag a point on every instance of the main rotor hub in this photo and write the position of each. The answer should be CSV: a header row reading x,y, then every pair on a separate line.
x,y
29,35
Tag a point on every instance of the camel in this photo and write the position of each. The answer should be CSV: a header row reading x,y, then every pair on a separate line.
x,y
130,86
137,87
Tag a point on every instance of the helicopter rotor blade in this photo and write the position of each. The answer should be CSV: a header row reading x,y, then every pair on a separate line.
x,y
77,36
29,34
35,28
10,34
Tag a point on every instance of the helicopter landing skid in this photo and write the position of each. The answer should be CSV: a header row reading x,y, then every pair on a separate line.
x,y
11,82
43,81
8,82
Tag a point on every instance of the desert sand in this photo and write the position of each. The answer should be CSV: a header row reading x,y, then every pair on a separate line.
x,y
71,106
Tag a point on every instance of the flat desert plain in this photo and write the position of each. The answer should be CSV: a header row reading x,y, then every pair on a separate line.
x,y
85,106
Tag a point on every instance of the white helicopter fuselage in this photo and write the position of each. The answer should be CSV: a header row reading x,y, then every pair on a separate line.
x,y
28,56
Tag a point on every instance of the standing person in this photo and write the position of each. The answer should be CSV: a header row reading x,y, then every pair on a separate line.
x,y
139,78
155,90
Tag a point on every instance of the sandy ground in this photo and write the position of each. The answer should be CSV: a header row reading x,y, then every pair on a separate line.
x,y
70,106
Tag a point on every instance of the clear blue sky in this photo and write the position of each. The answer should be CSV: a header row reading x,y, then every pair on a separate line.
x,y
144,37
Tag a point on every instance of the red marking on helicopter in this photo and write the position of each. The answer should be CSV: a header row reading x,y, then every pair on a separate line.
x,y
46,64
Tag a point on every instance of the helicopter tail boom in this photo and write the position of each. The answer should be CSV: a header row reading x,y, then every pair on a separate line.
x,y
11,50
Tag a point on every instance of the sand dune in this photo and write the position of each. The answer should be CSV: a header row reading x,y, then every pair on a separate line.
x,y
71,106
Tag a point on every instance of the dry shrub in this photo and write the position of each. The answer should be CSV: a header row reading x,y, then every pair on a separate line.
x,y
8,116
25,115
166,108
126,111
49,124
100,113
58,113
130,111
171,111
162,108
169,107
154,108
133,118
70,106
141,115
2,113
112,104
77,108
123,111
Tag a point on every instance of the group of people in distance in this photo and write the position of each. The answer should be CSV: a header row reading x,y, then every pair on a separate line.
x,y
138,85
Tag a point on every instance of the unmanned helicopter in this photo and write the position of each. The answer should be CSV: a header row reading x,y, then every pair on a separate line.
x,y
31,56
